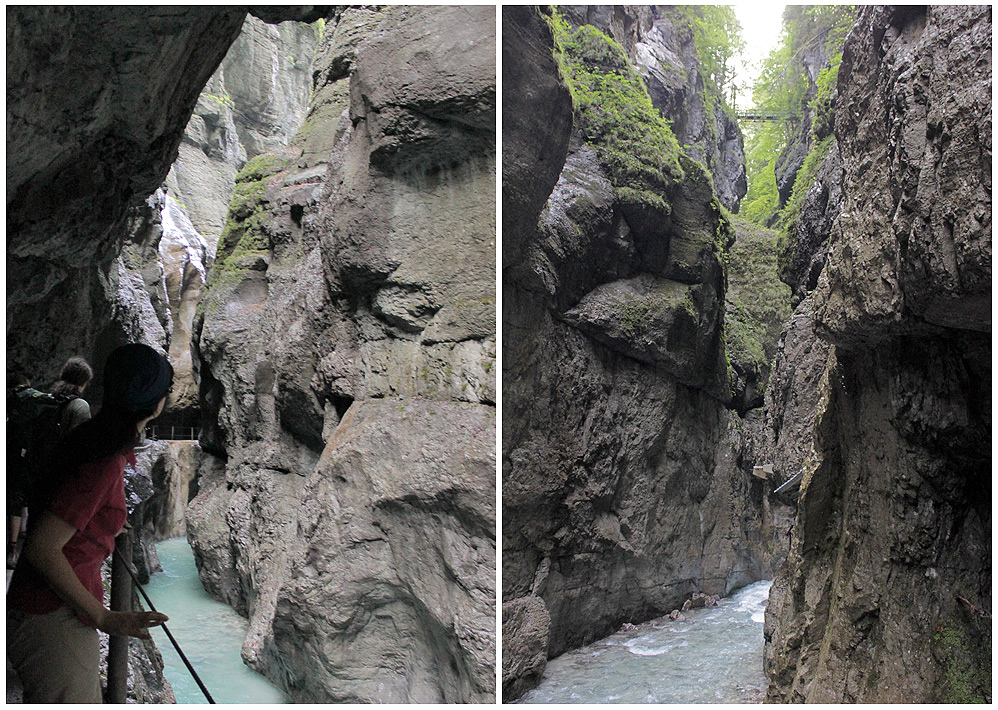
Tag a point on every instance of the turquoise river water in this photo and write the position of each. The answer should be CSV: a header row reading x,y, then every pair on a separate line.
x,y
210,633
714,656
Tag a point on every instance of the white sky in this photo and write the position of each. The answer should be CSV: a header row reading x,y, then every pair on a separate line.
x,y
761,24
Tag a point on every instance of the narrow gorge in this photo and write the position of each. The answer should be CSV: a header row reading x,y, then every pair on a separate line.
x,y
745,342
660,383
297,205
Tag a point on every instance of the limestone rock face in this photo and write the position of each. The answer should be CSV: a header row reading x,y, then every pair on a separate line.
x,y
97,101
183,254
806,248
171,467
792,395
346,352
525,630
886,594
541,113
627,482
254,103
660,45
92,135
655,321
932,263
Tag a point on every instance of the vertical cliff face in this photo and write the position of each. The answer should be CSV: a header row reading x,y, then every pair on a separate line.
x,y
92,136
886,595
96,106
346,352
97,101
627,482
253,103
659,43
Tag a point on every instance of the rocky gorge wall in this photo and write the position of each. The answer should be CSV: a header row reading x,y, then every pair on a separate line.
x,y
346,351
254,102
659,43
886,594
97,102
627,481
92,137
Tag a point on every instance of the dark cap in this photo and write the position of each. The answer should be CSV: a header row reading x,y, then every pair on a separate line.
x,y
136,377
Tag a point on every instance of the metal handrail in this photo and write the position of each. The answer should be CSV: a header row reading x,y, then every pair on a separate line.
x,y
176,433
183,656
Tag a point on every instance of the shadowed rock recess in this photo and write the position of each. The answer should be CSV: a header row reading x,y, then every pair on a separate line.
x,y
627,481
344,353
886,594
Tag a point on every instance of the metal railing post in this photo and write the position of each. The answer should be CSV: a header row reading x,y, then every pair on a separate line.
x,y
121,600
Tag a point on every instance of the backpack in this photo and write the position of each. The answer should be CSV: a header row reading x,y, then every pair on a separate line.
x,y
34,431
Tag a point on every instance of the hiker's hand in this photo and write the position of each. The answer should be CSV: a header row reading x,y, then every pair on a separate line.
x,y
130,623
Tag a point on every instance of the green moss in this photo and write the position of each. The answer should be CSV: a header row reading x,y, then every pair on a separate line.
x,y
822,104
223,100
260,167
244,235
615,115
788,219
319,28
966,674
757,302
636,314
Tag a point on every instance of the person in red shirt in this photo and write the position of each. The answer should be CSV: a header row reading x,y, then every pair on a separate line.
x,y
55,602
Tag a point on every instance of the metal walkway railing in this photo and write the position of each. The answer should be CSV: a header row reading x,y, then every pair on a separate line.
x,y
121,600
173,433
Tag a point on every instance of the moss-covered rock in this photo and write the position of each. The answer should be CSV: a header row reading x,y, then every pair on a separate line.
x,y
813,208
966,665
660,322
615,114
249,214
757,305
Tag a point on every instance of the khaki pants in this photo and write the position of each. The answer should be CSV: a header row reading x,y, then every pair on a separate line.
x,y
56,656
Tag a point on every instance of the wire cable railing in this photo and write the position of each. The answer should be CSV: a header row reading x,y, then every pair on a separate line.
x,y
183,656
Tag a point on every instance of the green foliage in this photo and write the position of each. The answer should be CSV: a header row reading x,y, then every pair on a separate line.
x,y
821,104
805,178
615,114
788,217
763,143
717,35
966,674
223,100
785,89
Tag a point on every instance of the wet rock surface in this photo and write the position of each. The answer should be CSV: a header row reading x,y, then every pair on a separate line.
x,y
627,482
525,629
346,352
886,594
